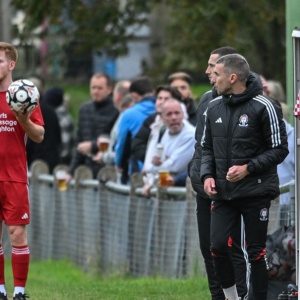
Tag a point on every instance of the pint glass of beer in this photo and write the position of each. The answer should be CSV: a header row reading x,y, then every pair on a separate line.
x,y
164,178
103,143
61,177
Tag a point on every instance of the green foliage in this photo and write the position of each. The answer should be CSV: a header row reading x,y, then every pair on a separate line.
x,y
57,280
77,95
255,28
183,32
92,24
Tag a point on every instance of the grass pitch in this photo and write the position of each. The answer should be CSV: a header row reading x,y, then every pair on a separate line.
x,y
60,280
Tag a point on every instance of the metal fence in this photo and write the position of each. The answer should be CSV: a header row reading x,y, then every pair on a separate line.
x,y
109,228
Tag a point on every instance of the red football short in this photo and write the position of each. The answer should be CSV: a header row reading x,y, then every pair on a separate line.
x,y
14,203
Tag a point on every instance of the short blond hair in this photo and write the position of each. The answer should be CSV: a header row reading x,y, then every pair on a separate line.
x,y
10,51
180,75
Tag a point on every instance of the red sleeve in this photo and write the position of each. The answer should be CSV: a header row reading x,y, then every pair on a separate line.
x,y
37,117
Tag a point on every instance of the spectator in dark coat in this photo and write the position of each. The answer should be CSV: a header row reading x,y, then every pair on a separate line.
x,y
55,98
49,149
96,117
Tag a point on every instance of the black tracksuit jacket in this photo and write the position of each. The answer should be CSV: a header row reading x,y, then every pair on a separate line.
x,y
241,128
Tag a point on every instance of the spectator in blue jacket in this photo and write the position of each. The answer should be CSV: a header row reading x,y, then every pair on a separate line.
x,y
142,91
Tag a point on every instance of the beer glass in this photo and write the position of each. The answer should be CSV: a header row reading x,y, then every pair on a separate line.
x,y
103,143
164,178
61,177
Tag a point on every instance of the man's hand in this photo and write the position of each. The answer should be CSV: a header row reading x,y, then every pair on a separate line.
x,y
236,173
210,186
156,160
22,118
84,147
98,157
68,178
118,169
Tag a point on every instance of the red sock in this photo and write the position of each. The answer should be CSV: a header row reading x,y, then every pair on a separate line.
x,y
20,264
2,278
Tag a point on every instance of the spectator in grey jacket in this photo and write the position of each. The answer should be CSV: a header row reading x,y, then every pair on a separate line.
x,y
177,144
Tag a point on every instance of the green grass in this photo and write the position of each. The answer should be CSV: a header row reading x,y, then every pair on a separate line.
x,y
61,280
77,95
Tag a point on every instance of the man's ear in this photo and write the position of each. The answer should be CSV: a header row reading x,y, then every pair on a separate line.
x,y
233,78
11,65
135,96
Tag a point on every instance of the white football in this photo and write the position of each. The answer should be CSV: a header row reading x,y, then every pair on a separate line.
x,y
22,96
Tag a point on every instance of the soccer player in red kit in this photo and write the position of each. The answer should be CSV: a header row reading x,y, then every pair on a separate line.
x,y
15,128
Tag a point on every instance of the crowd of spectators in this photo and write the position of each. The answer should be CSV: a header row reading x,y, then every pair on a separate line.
x,y
130,114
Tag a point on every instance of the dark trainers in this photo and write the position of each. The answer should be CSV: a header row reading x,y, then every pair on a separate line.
x,y
3,297
20,296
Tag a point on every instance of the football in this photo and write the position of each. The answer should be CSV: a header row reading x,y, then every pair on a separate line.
x,y
22,96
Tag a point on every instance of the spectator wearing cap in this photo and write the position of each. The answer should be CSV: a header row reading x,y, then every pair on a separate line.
x,y
182,81
55,98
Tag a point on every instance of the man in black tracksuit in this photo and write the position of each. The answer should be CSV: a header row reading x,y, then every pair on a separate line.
x,y
243,142
204,203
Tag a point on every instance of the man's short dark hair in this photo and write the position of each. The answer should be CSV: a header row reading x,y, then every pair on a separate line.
x,y
224,51
173,91
142,85
235,63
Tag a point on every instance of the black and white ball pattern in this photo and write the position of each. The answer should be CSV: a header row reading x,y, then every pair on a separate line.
x,y
22,96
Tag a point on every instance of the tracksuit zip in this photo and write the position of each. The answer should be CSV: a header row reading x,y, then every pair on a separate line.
x,y
229,150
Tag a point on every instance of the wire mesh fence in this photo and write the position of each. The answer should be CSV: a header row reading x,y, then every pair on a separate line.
x,y
105,227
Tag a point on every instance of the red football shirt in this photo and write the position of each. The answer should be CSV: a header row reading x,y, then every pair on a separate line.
x,y
13,143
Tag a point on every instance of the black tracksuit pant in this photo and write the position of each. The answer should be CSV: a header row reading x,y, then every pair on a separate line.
x,y
238,254
225,216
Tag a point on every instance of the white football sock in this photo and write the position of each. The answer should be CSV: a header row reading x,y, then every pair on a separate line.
x,y
231,293
2,289
19,289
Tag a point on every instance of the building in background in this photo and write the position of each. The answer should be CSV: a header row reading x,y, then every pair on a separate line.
x,y
35,51
129,65
5,19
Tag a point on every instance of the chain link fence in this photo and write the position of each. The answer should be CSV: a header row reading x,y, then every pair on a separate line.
x,y
108,228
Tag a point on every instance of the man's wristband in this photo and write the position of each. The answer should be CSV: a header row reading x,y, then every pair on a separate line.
x,y
250,167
